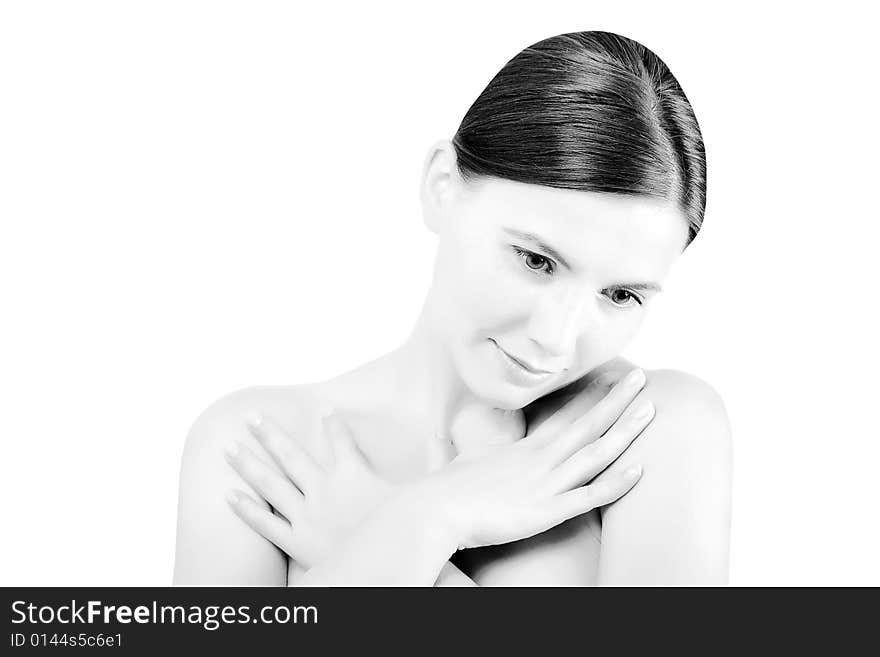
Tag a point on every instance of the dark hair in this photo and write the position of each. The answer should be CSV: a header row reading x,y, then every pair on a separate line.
x,y
592,111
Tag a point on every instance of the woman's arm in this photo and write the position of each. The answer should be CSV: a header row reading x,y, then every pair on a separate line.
x,y
674,527
213,545
400,543
515,491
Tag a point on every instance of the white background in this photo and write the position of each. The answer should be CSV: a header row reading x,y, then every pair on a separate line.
x,y
202,196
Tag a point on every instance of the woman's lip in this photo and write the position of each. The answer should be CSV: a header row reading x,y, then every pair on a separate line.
x,y
525,366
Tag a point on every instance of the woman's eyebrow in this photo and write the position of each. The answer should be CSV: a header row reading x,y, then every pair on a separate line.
x,y
549,250
652,287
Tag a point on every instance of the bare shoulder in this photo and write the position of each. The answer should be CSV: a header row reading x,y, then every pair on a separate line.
x,y
689,411
293,407
685,386
690,430
689,439
682,502
213,545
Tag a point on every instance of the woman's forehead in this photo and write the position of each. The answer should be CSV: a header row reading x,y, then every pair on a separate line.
x,y
578,219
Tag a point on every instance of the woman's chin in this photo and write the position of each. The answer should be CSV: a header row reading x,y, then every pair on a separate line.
x,y
505,395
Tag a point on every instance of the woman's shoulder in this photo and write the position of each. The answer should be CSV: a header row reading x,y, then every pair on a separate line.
x,y
690,424
210,538
683,498
685,398
282,400
293,407
675,391
690,418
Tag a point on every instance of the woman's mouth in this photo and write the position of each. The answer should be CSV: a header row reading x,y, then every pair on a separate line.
x,y
519,370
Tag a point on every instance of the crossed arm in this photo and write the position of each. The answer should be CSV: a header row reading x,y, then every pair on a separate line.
x,y
213,545
672,528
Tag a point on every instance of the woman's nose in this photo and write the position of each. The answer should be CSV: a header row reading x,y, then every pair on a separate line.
x,y
558,320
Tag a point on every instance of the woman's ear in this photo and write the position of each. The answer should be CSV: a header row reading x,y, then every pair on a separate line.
x,y
438,181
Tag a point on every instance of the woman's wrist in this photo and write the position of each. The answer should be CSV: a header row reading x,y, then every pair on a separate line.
x,y
400,543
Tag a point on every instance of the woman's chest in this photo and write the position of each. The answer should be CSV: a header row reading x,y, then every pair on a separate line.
x,y
565,555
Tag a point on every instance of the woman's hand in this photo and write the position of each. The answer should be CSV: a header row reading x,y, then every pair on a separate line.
x,y
512,492
320,506
526,487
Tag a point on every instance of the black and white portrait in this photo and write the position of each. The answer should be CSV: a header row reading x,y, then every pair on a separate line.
x,y
486,295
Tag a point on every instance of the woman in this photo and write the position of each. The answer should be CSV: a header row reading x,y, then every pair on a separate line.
x,y
487,449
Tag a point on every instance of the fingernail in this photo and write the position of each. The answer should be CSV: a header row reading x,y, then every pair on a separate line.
x,y
232,497
332,422
636,378
231,450
642,409
634,472
254,422
607,379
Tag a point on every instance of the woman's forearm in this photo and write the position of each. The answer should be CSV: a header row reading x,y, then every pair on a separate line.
x,y
399,544
450,576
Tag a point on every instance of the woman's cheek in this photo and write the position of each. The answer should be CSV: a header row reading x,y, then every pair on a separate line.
x,y
496,297
605,340
623,330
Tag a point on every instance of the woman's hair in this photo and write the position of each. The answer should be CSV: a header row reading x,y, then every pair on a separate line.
x,y
591,111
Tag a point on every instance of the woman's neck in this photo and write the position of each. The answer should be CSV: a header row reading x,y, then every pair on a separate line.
x,y
430,389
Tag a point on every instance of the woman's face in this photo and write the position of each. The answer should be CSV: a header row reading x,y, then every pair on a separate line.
x,y
536,286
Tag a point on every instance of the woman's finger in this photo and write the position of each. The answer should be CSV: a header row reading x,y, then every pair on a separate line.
x,y
586,498
286,451
595,422
593,458
272,486
577,403
265,523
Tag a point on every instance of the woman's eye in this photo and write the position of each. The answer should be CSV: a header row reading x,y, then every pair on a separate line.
x,y
623,298
534,261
